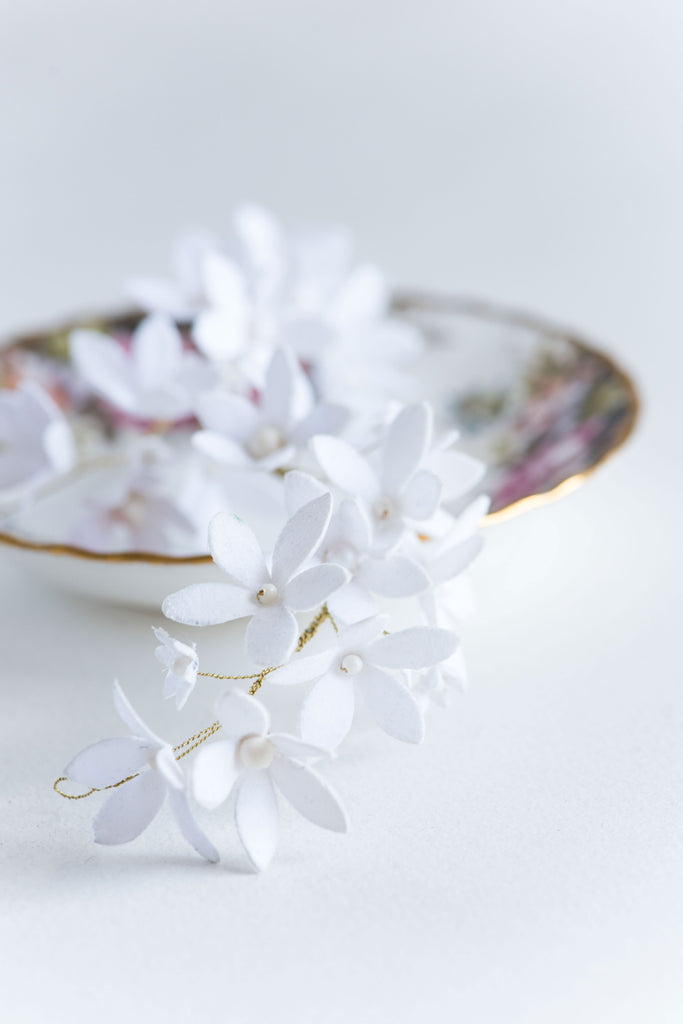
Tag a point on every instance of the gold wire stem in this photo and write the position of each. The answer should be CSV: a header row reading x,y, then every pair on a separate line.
x,y
323,615
195,741
258,683
192,742
82,796
217,675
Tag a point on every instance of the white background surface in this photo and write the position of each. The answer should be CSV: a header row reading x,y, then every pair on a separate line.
x,y
525,864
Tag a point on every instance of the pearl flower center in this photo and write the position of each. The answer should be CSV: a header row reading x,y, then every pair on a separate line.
x,y
256,752
268,595
264,442
352,664
383,509
182,664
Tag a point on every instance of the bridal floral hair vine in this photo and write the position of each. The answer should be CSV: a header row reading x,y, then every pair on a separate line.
x,y
277,372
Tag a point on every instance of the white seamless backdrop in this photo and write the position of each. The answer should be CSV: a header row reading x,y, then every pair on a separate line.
x,y
524,865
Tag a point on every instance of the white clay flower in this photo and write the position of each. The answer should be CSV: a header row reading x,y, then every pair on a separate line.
x,y
269,289
458,472
445,559
239,324
136,509
400,493
369,364
256,761
349,541
268,595
132,806
36,442
181,664
448,601
156,379
358,352
266,436
407,480
365,659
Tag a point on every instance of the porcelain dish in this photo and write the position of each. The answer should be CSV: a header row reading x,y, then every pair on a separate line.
x,y
542,407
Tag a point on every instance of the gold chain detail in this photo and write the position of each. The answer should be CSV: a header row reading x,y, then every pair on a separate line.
x,y
82,796
258,682
192,742
323,615
217,675
195,741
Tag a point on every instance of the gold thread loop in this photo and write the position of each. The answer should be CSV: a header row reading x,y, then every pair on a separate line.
x,y
70,796
82,796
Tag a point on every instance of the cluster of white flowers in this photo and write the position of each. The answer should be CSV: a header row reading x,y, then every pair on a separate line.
x,y
365,534
36,443
255,348
267,387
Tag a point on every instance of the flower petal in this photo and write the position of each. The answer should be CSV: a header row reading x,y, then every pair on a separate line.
x,y
313,586
395,576
240,715
131,718
189,827
235,549
179,688
279,392
214,773
300,488
166,764
207,604
261,235
221,334
326,418
224,284
271,636
307,336
363,296
228,414
300,537
309,794
257,818
459,472
352,603
405,446
392,705
302,670
156,350
162,636
469,520
346,467
354,525
327,712
292,746
224,450
107,762
130,809
360,634
416,647
421,496
59,446
455,560
104,366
